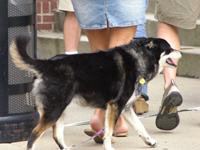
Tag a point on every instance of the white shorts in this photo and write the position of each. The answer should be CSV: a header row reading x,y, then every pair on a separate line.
x,y
65,5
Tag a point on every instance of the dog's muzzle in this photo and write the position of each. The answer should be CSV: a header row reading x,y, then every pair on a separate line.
x,y
176,55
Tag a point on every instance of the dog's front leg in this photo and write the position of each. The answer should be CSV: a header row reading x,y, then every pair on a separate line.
x,y
132,118
110,119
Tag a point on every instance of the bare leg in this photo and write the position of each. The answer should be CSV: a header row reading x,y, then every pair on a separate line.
x,y
103,39
168,118
108,38
72,32
119,36
97,122
98,39
170,34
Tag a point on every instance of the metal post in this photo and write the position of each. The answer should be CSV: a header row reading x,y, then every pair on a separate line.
x,y
3,58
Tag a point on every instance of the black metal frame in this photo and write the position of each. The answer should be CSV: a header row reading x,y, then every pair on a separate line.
x,y
5,23
3,58
14,127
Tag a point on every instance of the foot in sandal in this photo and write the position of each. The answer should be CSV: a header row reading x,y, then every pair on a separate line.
x,y
97,123
98,138
168,118
140,106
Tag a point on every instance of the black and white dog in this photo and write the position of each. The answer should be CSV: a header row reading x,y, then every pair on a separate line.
x,y
103,79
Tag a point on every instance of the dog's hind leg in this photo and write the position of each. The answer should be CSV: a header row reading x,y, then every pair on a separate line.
x,y
58,130
48,118
110,120
132,118
42,126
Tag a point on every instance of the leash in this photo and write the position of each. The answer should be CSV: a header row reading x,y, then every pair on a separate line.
x,y
77,123
88,139
88,122
141,81
140,116
181,110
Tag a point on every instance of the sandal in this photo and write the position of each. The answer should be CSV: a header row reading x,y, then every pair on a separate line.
x,y
167,118
140,106
98,138
120,134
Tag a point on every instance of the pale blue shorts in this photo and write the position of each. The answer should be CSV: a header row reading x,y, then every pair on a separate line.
x,y
97,14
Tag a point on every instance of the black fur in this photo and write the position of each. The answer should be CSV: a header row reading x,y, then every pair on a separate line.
x,y
100,78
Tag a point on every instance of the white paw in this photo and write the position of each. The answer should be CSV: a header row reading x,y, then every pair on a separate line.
x,y
109,148
149,141
66,148
107,144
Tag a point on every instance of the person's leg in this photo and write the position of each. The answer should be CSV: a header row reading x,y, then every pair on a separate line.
x,y
168,118
141,32
104,39
98,39
140,106
121,35
170,34
72,33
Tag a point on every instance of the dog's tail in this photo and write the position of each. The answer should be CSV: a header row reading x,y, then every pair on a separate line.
x,y
20,57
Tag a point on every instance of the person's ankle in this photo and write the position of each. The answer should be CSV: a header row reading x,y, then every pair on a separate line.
x,y
121,126
96,123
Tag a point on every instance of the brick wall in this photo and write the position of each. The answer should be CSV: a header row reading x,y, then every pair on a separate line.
x,y
45,14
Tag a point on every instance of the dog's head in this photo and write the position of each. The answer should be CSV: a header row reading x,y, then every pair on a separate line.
x,y
163,52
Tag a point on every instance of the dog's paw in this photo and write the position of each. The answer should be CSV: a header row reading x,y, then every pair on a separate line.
x,y
108,146
66,148
149,141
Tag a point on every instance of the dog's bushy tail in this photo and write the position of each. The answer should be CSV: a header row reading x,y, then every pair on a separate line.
x,y
19,55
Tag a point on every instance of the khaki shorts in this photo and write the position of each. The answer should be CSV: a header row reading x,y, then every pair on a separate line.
x,y
180,13
65,5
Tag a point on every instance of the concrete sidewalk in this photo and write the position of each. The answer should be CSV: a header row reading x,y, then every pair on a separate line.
x,y
185,137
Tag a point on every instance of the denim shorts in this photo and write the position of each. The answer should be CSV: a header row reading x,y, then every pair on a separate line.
x,y
97,14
